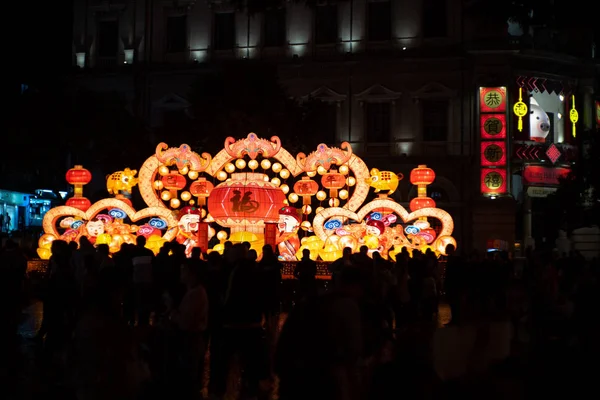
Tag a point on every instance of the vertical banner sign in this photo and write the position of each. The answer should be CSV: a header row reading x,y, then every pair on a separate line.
x,y
492,125
203,236
271,235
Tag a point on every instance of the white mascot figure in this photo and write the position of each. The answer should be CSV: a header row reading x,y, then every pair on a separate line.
x,y
539,122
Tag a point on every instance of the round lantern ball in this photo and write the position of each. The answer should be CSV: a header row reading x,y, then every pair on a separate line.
x,y
285,188
321,195
193,174
163,170
222,235
344,169
253,164
284,173
276,167
158,185
229,167
175,203
293,197
166,195
221,175
185,196
265,164
240,163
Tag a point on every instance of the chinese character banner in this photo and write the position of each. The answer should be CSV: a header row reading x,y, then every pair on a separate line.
x,y
492,99
493,180
493,154
493,126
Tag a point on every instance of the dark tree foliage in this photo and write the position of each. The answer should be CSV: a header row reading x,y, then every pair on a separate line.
x,y
577,202
243,97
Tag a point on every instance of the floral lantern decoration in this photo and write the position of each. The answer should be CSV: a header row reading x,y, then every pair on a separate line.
x,y
78,176
333,181
246,202
201,189
306,188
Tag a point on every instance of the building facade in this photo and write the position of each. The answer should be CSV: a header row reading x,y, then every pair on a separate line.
x,y
406,81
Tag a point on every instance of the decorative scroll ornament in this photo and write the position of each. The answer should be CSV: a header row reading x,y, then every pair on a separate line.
x,y
182,157
252,146
325,157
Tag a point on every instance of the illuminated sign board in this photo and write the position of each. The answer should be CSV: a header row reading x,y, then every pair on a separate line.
x,y
492,128
537,175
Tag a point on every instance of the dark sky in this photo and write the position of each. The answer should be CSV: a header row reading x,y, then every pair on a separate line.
x,y
39,35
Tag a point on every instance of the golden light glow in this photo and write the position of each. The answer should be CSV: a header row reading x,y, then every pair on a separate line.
x,y
230,168
265,164
253,164
321,195
277,167
193,175
285,188
240,163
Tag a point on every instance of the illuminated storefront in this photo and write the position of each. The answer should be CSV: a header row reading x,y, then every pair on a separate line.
x,y
544,136
13,208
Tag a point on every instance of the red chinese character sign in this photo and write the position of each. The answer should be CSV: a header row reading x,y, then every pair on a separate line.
x,y
254,191
492,118
493,126
492,99
493,181
493,153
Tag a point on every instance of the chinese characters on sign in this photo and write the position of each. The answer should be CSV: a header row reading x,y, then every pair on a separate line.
x,y
493,154
493,181
492,99
520,109
492,118
573,115
493,126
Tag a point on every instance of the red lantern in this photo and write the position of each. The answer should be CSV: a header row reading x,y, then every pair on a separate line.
x,y
81,203
174,181
246,202
333,181
421,202
201,189
306,188
422,175
78,176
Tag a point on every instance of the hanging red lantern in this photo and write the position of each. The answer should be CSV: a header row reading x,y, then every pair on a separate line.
x,y
333,181
306,188
201,189
81,203
246,202
174,182
422,175
421,202
78,176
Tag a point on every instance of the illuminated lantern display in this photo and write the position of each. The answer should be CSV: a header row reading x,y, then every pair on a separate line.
x,y
201,189
256,207
173,182
306,188
246,202
78,176
421,177
333,181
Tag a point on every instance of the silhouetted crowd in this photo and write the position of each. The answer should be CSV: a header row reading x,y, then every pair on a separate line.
x,y
133,325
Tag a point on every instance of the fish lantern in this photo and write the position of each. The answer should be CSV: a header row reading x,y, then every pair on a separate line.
x,y
78,176
246,202
333,181
201,189
306,188
173,182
